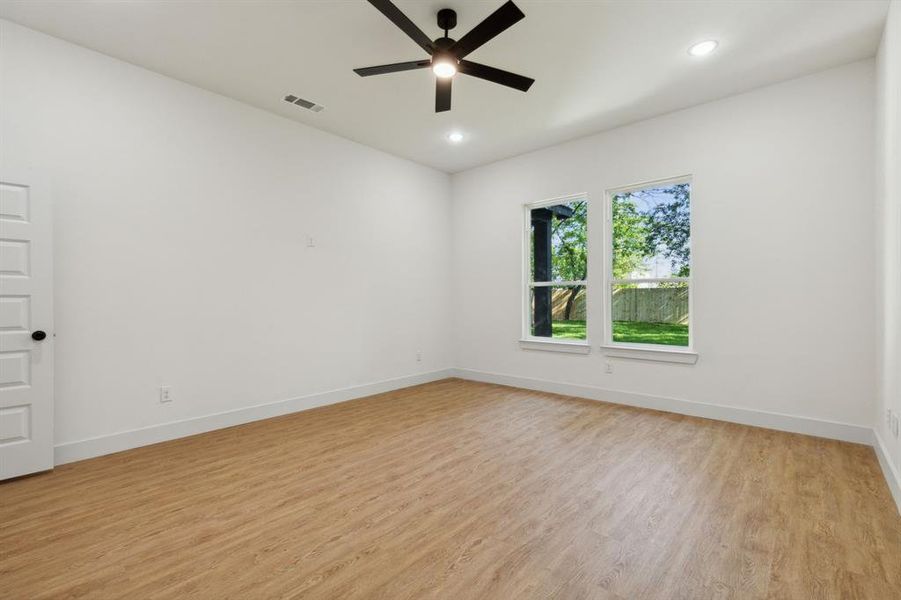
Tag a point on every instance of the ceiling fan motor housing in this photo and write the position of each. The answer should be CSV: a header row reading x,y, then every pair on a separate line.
x,y
442,52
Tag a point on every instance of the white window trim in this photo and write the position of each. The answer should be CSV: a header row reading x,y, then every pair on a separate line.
x,y
528,341
555,345
649,352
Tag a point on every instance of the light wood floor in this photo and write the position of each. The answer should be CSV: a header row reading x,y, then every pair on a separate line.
x,y
460,490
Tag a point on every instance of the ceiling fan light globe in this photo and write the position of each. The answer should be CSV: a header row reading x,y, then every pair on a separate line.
x,y
444,69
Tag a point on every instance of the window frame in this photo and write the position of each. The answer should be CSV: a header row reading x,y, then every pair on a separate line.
x,y
527,340
663,352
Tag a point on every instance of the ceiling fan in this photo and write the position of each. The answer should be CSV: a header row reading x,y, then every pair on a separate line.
x,y
447,54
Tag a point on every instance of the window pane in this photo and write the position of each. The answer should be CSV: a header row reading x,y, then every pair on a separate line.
x,y
558,312
654,313
652,232
558,249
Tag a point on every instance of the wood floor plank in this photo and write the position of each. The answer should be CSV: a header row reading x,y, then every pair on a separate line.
x,y
458,489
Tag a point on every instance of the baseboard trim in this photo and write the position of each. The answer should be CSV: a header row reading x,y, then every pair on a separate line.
x,y
134,438
858,434
889,469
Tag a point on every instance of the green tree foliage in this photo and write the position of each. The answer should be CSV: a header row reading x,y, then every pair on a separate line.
x,y
662,230
669,229
630,234
569,250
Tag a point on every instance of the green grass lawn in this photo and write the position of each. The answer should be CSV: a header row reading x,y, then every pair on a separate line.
x,y
668,334
635,332
573,330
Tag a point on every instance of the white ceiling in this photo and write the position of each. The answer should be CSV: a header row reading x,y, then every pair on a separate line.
x,y
597,64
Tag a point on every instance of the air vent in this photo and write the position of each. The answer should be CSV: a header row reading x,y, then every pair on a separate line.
x,y
303,103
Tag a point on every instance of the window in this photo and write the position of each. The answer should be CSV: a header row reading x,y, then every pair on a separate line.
x,y
649,270
557,267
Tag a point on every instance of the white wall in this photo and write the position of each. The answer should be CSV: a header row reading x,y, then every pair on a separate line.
x,y
888,226
782,249
180,226
181,222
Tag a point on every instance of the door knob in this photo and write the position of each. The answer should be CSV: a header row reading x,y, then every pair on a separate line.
x,y
38,335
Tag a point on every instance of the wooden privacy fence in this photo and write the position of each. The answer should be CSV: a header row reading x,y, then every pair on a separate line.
x,y
559,298
649,305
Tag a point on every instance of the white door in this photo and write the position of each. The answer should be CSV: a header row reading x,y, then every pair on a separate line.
x,y
26,327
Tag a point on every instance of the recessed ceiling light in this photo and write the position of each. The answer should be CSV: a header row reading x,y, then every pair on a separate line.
x,y
703,48
455,137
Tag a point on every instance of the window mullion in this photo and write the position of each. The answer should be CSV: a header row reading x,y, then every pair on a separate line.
x,y
556,283
651,280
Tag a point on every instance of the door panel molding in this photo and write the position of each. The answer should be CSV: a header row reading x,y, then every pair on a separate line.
x,y
26,304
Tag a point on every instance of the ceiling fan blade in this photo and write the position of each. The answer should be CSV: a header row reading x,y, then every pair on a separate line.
x,y
392,68
443,94
387,8
495,75
495,23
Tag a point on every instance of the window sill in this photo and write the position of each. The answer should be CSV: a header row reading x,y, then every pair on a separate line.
x,y
555,346
655,354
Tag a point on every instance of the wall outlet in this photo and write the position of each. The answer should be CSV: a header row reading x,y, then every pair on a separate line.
x,y
419,357
896,425
165,394
608,367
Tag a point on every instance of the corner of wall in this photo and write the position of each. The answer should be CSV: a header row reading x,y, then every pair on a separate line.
x,y
887,248
889,469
